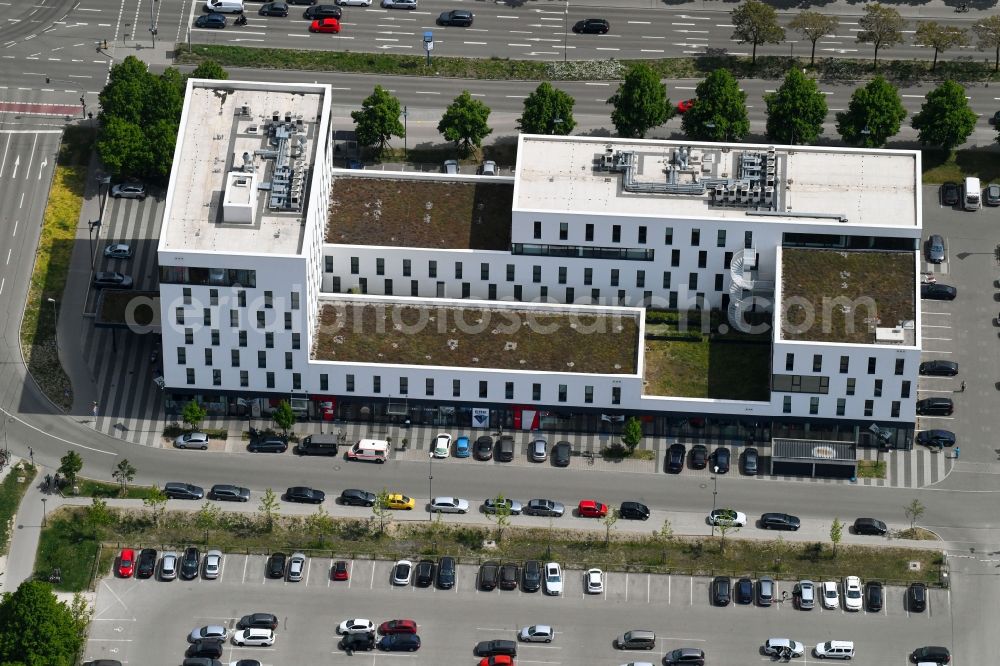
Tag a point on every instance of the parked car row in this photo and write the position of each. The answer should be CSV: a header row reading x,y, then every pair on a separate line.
x,y
206,643
806,594
720,459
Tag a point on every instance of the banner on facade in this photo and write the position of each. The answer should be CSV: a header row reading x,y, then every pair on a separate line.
x,y
480,417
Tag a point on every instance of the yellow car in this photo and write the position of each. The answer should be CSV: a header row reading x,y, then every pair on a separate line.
x,y
398,501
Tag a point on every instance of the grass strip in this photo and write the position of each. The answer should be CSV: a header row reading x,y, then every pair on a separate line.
x,y
70,545
105,489
870,469
12,489
48,277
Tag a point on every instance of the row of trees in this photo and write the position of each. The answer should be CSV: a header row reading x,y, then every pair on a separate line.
x,y
756,23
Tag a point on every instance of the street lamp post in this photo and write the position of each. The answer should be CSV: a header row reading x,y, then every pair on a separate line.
x,y
715,494
565,30
96,224
430,484
406,113
43,511
152,22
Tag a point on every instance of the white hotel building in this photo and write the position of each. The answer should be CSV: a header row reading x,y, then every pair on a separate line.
x,y
538,299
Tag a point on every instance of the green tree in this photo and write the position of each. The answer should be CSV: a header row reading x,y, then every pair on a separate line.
x,y
945,119
124,97
207,516
98,514
122,146
836,534
609,521
913,512
123,473
156,502
795,112
501,516
725,529
465,123
873,115
813,26
268,508
193,414
70,465
283,416
381,510
378,120
720,114
940,37
641,103
987,31
319,524
38,629
881,26
632,433
547,110
756,23
210,69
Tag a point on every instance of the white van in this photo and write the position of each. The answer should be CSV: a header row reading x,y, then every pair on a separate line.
x,y
224,6
370,450
835,650
973,194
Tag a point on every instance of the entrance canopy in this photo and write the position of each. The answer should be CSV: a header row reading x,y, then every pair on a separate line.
x,y
813,457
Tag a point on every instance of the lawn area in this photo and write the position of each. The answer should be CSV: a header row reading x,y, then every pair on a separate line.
x,y
69,544
48,277
11,492
104,489
940,166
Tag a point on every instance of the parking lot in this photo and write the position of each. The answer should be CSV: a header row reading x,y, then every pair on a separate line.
x,y
147,621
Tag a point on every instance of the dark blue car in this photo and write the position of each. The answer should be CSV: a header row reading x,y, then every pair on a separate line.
x,y
399,643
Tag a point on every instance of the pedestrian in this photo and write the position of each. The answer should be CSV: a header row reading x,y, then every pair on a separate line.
x,y
957,452
963,386
31,454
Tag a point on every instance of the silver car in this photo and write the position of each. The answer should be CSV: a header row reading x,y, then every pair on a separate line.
x,y
539,633
118,251
449,505
296,566
168,565
129,190
213,564
490,506
805,594
538,450
192,440
211,632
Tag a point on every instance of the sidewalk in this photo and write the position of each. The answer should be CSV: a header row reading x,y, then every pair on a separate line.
x,y
19,563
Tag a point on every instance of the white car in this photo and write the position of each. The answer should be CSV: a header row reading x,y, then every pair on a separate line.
x,y
775,646
132,189
401,572
831,599
118,251
354,3
254,636
356,626
594,580
728,517
192,440
442,445
296,566
211,632
213,564
449,505
399,4
553,579
539,633
852,593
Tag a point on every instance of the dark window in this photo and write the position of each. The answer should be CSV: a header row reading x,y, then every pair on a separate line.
x,y
878,388
414,287
786,405
904,391
850,385
324,382
869,407
458,270
668,236
270,379
727,260
179,314
404,385
234,357
672,300
536,274
675,258
666,279
243,338
466,290
492,292
845,364
642,235
692,281
841,406
244,378
789,362
387,289
616,395
702,259
536,391
483,389
355,265
484,271
268,299
588,276
432,269
261,359
814,405
562,275
335,284
376,384
208,356
288,321
407,265
538,229
616,233
871,365
614,277
588,233
640,279
595,296
570,294
721,240
269,340
895,409
379,266
190,375
817,363
588,394
508,390
510,272
213,296
747,239
241,296
260,319
295,300
186,291
429,386
518,292
900,364
189,336
348,383
215,337
328,264
296,381
296,340
695,237
288,360
563,231
181,356
562,393
718,281
456,388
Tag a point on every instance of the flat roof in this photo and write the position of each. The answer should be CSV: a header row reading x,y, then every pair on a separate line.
x,y
682,179
277,127
504,336
408,211
844,296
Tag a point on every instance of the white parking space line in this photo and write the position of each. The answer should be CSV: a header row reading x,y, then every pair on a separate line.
x,y
670,580
371,585
943,314
931,351
626,586
933,326
691,600
941,339
222,568
308,568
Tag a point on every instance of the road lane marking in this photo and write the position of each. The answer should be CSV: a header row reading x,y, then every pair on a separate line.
x,y
245,563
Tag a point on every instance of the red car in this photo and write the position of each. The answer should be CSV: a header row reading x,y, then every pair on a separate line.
x,y
397,627
325,25
340,571
592,509
126,563
498,660
685,105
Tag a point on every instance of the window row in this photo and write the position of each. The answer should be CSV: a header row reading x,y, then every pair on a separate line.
x,y
226,277
267,298
263,319
821,385
236,357
845,364
869,408
191,377
561,392
641,234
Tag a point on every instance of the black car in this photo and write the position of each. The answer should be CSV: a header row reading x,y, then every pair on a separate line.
x,y
212,20
190,563
870,526
991,197
352,642
531,576
508,577
258,621
146,565
113,280
938,292
483,448
690,656
936,406
779,521
322,12
302,2
561,454
873,596
459,17
931,654
744,591
505,448
268,444
355,497
273,9
720,460
916,597
699,456
675,458
936,438
721,589
210,648
446,573
935,249
750,460
400,643
592,26
423,574
276,565
175,490
633,511
493,648
950,194
489,573
305,495
939,368
227,493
